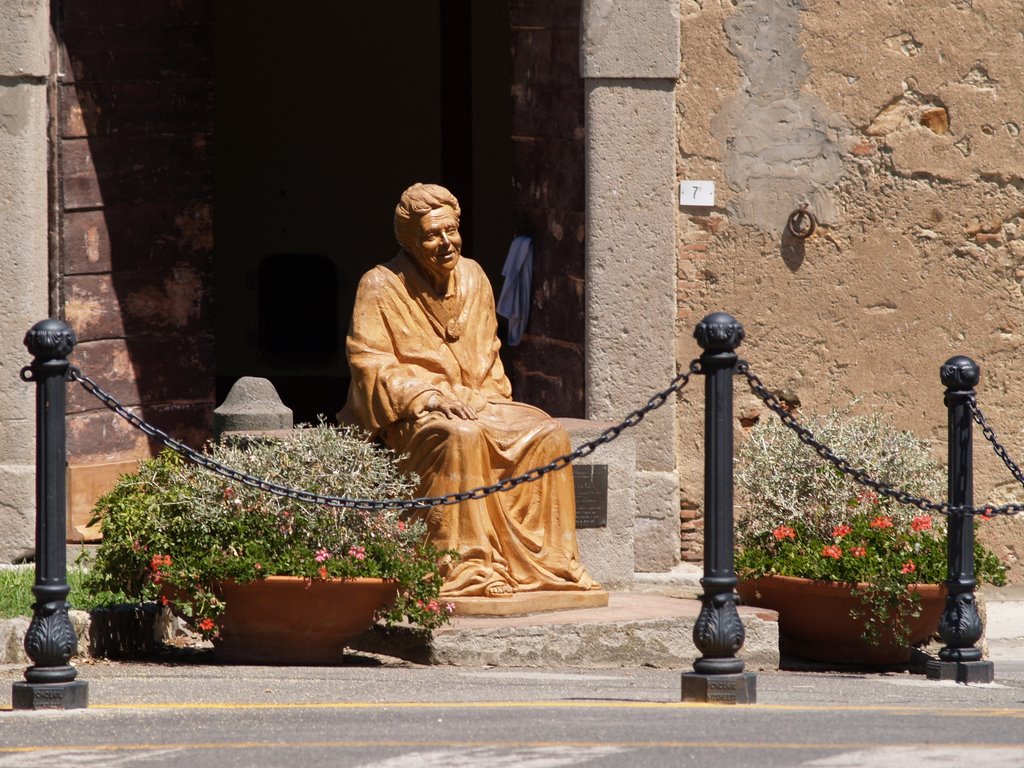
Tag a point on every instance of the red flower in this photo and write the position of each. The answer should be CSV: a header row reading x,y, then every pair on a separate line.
x,y
784,532
882,522
841,530
832,551
908,567
322,570
164,600
206,625
159,561
921,523
858,551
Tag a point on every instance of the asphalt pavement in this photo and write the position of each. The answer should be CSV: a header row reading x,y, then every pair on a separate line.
x,y
379,712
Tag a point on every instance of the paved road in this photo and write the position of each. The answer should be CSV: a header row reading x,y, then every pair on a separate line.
x,y
394,714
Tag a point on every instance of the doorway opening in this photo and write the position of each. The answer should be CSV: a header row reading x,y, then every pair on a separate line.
x,y
324,112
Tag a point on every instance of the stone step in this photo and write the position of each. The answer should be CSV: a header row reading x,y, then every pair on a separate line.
x,y
634,629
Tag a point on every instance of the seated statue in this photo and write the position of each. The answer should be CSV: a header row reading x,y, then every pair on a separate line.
x,y
427,380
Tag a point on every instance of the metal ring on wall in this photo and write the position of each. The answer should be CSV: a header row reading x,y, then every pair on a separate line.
x,y
801,222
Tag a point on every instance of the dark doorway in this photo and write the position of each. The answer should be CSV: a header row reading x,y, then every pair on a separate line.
x,y
324,113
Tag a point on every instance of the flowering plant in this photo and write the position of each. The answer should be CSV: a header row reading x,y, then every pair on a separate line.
x,y
173,531
804,518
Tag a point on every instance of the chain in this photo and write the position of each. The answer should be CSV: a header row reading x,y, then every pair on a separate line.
x,y
861,476
807,437
635,417
990,435
1002,453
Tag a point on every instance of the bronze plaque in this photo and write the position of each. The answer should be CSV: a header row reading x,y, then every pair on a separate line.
x,y
591,482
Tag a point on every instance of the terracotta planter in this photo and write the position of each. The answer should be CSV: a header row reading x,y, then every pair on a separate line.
x,y
291,620
815,622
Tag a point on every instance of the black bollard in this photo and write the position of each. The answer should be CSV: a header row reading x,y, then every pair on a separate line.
x,y
50,640
960,626
718,675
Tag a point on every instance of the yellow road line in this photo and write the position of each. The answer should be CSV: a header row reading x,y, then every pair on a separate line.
x,y
574,705
901,709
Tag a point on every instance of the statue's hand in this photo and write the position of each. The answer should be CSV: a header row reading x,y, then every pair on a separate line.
x,y
453,409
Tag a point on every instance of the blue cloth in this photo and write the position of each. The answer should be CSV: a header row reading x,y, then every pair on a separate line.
x,y
514,302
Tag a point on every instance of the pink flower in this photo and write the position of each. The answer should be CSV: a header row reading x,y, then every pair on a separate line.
x,y
858,551
322,554
359,553
921,523
832,551
784,532
882,522
841,530
908,567
401,526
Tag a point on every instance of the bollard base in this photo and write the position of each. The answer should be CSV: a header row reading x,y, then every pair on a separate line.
x,y
73,695
965,672
720,689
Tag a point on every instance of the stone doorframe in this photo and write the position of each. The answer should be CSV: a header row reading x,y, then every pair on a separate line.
x,y
630,64
630,60
24,244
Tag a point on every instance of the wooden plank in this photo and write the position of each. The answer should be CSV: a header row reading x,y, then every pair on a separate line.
x,y
102,436
145,370
141,302
137,236
92,14
85,484
134,53
137,107
113,170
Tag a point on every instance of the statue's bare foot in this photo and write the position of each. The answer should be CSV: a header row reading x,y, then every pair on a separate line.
x,y
498,589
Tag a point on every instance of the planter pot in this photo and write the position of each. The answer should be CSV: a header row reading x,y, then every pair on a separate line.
x,y
815,621
291,620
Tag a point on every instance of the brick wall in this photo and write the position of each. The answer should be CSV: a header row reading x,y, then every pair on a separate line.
x,y
546,369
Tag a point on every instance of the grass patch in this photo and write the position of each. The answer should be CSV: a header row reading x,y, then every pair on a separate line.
x,y
16,596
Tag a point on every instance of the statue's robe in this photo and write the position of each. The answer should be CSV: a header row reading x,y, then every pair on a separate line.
x,y
399,357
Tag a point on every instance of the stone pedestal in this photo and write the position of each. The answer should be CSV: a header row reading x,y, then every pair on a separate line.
x,y
523,603
720,689
73,695
966,672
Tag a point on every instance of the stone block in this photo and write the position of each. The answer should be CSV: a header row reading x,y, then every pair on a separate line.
x,y
24,38
252,405
17,512
607,552
630,38
655,545
631,303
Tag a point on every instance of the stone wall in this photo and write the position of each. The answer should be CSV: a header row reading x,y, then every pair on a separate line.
x,y
899,124
135,121
546,369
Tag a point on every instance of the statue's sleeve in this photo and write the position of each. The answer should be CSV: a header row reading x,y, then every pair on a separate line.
x,y
387,384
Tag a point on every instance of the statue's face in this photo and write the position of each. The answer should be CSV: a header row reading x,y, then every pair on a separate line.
x,y
439,244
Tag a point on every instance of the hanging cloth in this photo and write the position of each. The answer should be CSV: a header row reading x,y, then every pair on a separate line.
x,y
514,302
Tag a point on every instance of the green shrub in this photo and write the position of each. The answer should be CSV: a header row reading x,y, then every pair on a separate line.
x,y
802,517
173,530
